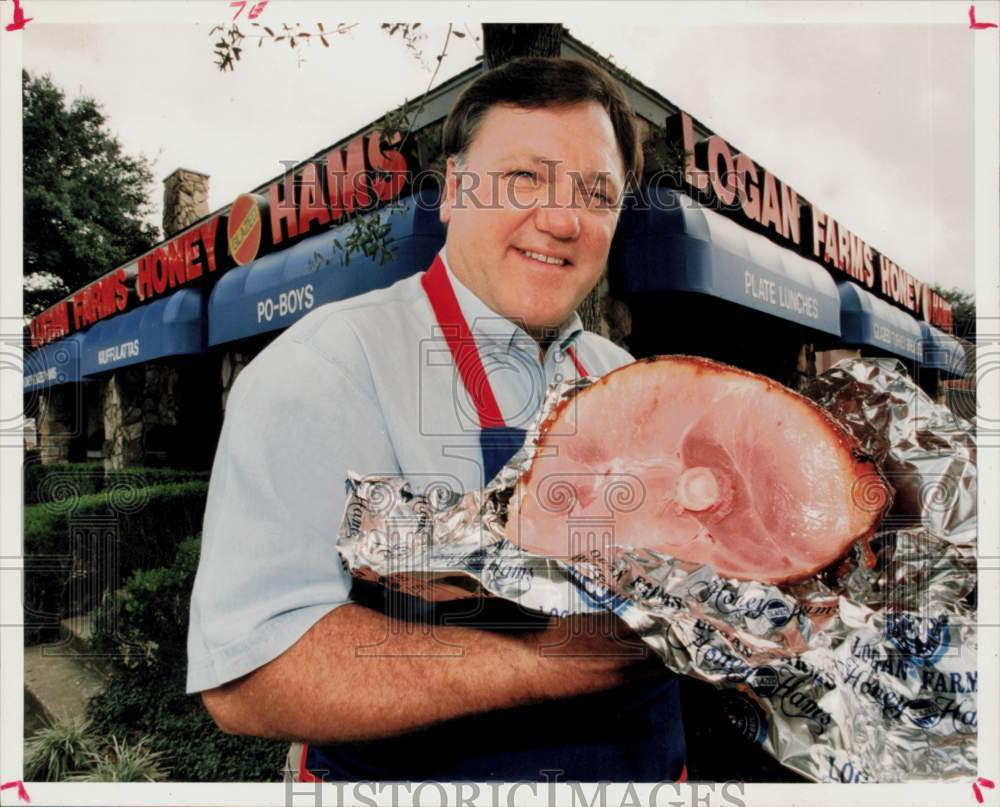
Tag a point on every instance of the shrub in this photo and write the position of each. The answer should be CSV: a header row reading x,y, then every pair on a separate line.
x,y
136,701
123,763
59,482
70,546
58,750
147,619
147,687
60,479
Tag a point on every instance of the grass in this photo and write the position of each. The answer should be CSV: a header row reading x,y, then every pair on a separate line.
x,y
121,762
58,751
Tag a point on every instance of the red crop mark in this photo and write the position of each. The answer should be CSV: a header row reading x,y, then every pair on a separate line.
x,y
18,25
22,794
979,793
978,25
255,10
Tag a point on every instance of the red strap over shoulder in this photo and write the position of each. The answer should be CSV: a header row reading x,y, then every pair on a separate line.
x,y
579,365
463,348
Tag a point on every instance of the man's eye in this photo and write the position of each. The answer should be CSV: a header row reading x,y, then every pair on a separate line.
x,y
522,172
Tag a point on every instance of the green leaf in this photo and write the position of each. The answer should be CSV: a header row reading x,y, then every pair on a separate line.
x,y
458,33
269,31
325,43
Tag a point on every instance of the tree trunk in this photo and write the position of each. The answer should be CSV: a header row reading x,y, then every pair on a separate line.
x,y
505,41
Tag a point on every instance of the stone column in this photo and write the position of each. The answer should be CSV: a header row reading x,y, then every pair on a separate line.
x,y
137,400
185,200
825,359
233,362
59,422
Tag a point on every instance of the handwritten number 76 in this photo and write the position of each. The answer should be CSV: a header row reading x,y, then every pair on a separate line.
x,y
255,10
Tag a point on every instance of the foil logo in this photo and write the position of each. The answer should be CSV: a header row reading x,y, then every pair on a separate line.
x,y
764,681
777,612
510,578
795,701
597,595
923,639
717,660
928,712
923,712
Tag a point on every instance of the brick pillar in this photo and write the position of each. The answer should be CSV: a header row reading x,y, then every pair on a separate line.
x,y
185,200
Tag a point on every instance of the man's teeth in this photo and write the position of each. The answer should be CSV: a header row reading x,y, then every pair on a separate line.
x,y
544,258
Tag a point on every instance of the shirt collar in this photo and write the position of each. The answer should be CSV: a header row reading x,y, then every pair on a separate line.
x,y
487,324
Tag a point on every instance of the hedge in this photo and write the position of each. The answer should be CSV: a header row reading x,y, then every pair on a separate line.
x,y
58,482
131,528
145,696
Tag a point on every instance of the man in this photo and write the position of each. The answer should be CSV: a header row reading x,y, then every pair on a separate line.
x,y
539,151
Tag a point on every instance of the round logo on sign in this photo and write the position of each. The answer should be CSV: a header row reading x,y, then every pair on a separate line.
x,y
244,229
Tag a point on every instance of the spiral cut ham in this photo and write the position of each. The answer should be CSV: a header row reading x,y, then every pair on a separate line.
x,y
700,461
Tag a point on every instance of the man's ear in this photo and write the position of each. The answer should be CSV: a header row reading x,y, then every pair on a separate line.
x,y
450,191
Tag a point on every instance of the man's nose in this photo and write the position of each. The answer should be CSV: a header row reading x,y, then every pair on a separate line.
x,y
558,217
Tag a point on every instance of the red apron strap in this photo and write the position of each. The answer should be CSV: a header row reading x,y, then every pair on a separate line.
x,y
463,348
306,775
462,345
579,365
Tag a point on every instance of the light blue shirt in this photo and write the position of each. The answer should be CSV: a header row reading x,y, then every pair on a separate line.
x,y
365,384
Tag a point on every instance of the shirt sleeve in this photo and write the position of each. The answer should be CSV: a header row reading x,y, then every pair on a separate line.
x,y
297,420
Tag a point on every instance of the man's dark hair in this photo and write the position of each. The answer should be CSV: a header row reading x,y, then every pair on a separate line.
x,y
534,83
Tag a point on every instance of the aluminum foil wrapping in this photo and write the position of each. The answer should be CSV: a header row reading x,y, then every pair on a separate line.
x,y
866,675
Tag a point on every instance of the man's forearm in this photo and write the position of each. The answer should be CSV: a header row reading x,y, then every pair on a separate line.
x,y
356,675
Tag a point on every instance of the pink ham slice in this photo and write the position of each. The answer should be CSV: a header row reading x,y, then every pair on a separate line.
x,y
700,461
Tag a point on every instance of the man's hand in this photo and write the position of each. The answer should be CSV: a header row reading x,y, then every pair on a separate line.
x,y
322,690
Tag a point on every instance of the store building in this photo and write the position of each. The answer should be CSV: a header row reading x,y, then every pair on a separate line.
x,y
714,256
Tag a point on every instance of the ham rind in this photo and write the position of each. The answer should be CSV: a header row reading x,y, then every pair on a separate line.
x,y
700,461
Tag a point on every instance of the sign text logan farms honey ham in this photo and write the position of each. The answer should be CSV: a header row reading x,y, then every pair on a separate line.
x,y
733,183
345,179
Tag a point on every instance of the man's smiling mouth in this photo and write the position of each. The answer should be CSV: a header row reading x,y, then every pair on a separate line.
x,y
542,258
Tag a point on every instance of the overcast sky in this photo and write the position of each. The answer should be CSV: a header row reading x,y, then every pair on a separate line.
x,y
873,123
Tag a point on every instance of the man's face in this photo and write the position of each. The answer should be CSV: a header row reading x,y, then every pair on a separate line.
x,y
531,210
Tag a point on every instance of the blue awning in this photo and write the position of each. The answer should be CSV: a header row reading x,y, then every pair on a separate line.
x,y
278,289
55,363
171,326
943,352
676,245
867,320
